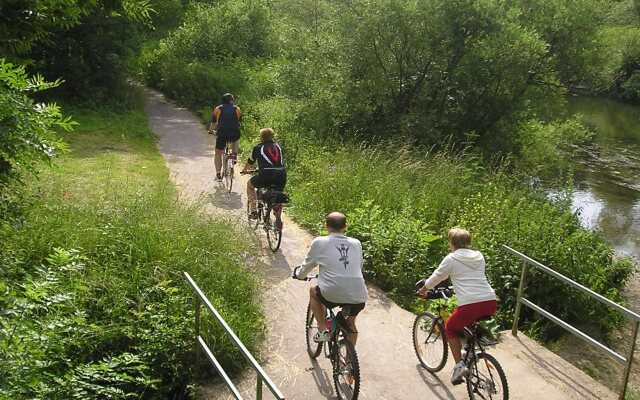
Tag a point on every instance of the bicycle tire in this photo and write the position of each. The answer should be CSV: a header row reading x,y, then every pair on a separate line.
x,y
484,385
429,342
274,233
311,327
346,374
224,170
229,174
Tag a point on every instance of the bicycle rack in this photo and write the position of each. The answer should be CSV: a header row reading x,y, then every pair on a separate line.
x,y
606,350
260,374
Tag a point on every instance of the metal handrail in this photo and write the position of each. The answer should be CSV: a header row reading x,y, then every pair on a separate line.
x,y
609,352
261,375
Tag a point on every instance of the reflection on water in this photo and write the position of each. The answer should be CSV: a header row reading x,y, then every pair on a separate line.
x,y
607,180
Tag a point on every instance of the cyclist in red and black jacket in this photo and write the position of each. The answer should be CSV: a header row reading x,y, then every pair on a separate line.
x,y
271,171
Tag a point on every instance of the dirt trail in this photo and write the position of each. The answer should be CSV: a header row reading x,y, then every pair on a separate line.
x,y
389,368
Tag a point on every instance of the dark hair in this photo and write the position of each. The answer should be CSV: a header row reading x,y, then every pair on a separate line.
x,y
336,221
227,97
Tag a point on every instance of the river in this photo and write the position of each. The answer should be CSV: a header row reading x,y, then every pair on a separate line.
x,y
607,173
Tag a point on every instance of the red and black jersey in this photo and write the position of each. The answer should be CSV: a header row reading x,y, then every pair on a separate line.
x,y
269,156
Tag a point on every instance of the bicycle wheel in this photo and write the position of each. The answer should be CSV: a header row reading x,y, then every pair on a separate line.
x,y
229,174
224,171
253,223
486,379
346,374
311,328
274,231
429,342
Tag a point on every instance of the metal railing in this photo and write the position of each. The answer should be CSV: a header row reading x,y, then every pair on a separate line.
x,y
260,374
635,318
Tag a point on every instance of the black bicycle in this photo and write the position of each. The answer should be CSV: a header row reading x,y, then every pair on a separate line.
x,y
339,350
486,378
269,201
228,166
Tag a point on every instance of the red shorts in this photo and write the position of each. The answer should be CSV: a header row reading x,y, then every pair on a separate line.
x,y
466,315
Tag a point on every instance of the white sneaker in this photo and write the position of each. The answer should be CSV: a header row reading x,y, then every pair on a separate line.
x,y
321,337
459,371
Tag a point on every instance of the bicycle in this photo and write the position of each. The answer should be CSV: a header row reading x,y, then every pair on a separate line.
x,y
268,201
430,345
228,165
339,350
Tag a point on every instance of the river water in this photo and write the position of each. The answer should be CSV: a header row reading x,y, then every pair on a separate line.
x,y
607,173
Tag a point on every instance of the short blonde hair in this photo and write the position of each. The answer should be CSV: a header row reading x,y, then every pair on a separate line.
x,y
459,238
266,134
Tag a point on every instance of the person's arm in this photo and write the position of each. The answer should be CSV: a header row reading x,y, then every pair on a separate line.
x,y
213,126
310,261
440,274
239,114
250,161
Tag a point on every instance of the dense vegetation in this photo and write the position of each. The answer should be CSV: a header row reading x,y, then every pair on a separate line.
x,y
93,302
413,117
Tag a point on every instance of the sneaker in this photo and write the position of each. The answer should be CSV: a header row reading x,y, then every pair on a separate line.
x,y
321,337
459,371
219,177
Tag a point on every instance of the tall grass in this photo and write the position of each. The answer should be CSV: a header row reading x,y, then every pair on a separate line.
x,y
94,302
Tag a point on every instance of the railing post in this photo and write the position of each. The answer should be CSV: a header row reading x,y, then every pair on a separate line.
x,y
197,329
627,370
516,317
259,388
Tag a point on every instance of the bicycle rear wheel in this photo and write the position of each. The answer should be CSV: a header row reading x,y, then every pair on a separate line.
x,y
274,231
346,374
311,328
429,342
229,173
486,379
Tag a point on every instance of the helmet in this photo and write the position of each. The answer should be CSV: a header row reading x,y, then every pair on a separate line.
x,y
227,98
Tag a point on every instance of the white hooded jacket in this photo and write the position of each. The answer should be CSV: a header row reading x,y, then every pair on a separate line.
x,y
465,267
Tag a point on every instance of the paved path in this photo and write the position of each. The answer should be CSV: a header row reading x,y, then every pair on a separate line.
x,y
389,367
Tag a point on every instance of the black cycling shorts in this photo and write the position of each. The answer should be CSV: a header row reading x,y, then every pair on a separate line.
x,y
348,310
221,140
275,178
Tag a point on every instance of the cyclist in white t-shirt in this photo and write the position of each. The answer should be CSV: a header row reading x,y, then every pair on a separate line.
x,y
340,281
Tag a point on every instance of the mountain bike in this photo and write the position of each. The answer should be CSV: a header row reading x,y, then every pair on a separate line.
x,y
486,378
228,165
339,350
268,201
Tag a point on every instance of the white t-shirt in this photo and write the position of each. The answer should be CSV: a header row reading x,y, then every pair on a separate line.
x,y
465,267
339,259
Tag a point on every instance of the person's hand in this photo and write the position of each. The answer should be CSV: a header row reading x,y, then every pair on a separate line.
x,y
422,291
294,274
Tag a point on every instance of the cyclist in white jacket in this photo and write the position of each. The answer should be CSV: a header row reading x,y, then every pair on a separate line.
x,y
340,281
476,298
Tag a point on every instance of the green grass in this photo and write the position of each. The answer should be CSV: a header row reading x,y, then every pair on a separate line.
x,y
91,274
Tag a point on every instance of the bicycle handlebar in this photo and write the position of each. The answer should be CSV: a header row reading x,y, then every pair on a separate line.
x,y
306,278
438,292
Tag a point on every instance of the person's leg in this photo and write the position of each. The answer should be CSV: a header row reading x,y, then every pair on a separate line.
x,y
318,309
217,160
353,337
251,195
235,146
453,329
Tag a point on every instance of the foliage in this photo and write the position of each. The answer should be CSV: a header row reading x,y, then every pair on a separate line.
x,y
26,127
114,318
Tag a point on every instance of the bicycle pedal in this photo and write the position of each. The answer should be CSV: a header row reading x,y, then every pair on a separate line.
x,y
458,382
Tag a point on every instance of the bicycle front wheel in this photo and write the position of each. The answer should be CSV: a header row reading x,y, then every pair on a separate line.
x,y
429,341
313,348
486,379
253,222
346,374
274,232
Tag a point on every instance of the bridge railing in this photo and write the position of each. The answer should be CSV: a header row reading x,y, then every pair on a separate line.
x,y
262,377
632,316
